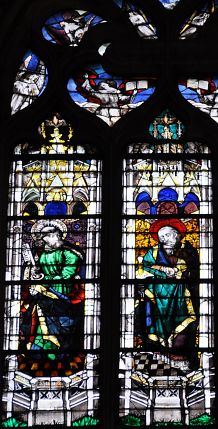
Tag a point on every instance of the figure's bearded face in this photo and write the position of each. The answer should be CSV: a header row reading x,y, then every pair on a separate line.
x,y
168,237
51,238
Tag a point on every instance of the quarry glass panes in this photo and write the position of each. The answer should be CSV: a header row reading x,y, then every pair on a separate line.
x,y
52,305
167,332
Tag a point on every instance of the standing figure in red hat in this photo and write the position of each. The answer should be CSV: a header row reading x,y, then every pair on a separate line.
x,y
173,306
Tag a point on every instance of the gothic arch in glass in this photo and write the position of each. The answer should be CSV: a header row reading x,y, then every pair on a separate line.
x,y
166,363
52,305
109,68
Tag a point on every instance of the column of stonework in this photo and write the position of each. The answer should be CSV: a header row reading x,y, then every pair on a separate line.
x,y
129,249
155,176
9,258
180,178
91,328
91,305
128,236
209,375
93,178
97,291
89,311
127,298
13,292
127,311
70,176
127,291
206,290
43,180
125,395
205,340
127,341
92,396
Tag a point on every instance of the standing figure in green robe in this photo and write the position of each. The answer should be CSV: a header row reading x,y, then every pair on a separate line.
x,y
52,310
171,299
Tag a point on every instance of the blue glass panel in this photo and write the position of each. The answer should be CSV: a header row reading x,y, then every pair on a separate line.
x,y
137,17
56,208
67,28
169,4
109,97
202,94
31,80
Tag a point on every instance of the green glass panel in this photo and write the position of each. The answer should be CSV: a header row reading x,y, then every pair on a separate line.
x,y
204,420
13,423
86,421
166,126
131,421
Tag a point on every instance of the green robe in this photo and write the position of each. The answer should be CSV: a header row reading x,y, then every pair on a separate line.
x,y
171,305
52,320
59,264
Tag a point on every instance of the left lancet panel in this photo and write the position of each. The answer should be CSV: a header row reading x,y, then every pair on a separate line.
x,y
52,293
67,28
30,82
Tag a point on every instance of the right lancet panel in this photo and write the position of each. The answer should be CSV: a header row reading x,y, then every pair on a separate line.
x,y
167,359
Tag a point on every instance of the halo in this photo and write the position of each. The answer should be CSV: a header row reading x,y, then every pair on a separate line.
x,y
160,223
42,223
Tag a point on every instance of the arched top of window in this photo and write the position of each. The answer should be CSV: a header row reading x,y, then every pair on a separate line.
x,y
167,285
52,280
56,138
90,65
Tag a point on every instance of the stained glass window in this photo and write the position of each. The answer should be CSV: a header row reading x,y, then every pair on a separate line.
x,y
201,93
107,213
52,302
108,97
166,126
67,28
30,82
166,363
137,17
169,4
197,19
